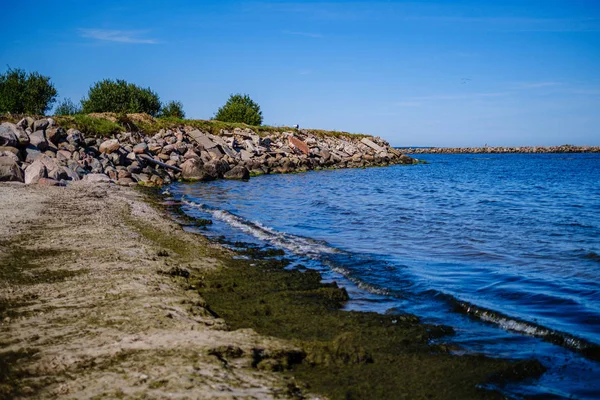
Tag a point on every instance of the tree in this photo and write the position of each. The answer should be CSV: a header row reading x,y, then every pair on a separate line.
x,y
172,109
240,108
120,97
67,107
25,93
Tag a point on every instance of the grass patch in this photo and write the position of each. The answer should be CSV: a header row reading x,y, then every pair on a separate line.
x,y
90,126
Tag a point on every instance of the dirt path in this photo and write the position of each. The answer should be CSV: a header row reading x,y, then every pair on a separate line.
x,y
90,307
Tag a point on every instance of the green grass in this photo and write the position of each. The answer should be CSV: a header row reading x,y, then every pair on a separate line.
x,y
90,126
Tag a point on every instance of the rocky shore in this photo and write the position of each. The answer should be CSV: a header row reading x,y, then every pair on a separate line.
x,y
41,151
567,148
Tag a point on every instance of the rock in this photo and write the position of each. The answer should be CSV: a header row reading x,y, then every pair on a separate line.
x,y
38,139
202,139
372,145
237,172
35,172
8,135
245,155
102,178
75,137
216,168
48,182
56,135
71,174
140,148
110,146
9,170
192,169
31,153
40,124
63,155
296,143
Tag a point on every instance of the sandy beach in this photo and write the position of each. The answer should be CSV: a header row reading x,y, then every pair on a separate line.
x,y
90,310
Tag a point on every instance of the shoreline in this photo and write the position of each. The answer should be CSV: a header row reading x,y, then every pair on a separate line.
x,y
264,344
501,150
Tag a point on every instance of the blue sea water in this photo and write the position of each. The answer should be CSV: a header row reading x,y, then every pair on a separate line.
x,y
503,248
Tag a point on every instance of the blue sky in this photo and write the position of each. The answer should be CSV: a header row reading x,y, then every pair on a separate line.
x,y
426,73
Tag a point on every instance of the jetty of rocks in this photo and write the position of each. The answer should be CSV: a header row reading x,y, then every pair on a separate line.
x,y
40,151
566,148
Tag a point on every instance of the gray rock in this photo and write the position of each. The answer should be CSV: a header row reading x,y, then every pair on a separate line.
x,y
75,137
9,170
71,174
216,168
372,145
40,124
38,139
31,153
192,169
8,135
140,148
56,135
35,172
202,139
245,155
96,178
237,172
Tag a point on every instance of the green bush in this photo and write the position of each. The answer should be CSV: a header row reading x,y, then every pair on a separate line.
x,y
25,93
120,97
67,107
172,109
240,108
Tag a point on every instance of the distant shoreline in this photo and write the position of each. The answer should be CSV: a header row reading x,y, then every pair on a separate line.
x,y
500,149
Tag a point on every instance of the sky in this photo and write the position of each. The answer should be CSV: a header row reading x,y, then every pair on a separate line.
x,y
418,73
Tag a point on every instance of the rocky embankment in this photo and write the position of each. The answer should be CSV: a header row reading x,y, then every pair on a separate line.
x,y
40,151
567,148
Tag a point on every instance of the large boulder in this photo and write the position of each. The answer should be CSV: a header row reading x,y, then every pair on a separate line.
x,y
35,172
216,168
9,170
8,135
237,172
38,139
192,169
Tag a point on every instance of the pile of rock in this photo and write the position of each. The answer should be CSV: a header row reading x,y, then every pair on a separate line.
x,y
39,151
566,148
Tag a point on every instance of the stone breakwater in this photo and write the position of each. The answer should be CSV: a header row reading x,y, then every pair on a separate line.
x,y
40,151
495,150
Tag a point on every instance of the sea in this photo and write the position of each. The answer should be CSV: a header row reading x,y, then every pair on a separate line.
x,y
504,248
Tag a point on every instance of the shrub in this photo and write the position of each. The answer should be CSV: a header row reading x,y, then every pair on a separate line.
x,y
67,107
120,97
240,108
25,93
172,109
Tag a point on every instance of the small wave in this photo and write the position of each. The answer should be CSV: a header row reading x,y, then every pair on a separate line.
x,y
586,348
296,244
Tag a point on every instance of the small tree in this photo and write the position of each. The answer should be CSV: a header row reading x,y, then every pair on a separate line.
x,y
172,109
240,108
67,107
120,97
25,93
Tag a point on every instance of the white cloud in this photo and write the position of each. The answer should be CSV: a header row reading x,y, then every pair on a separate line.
x,y
119,36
